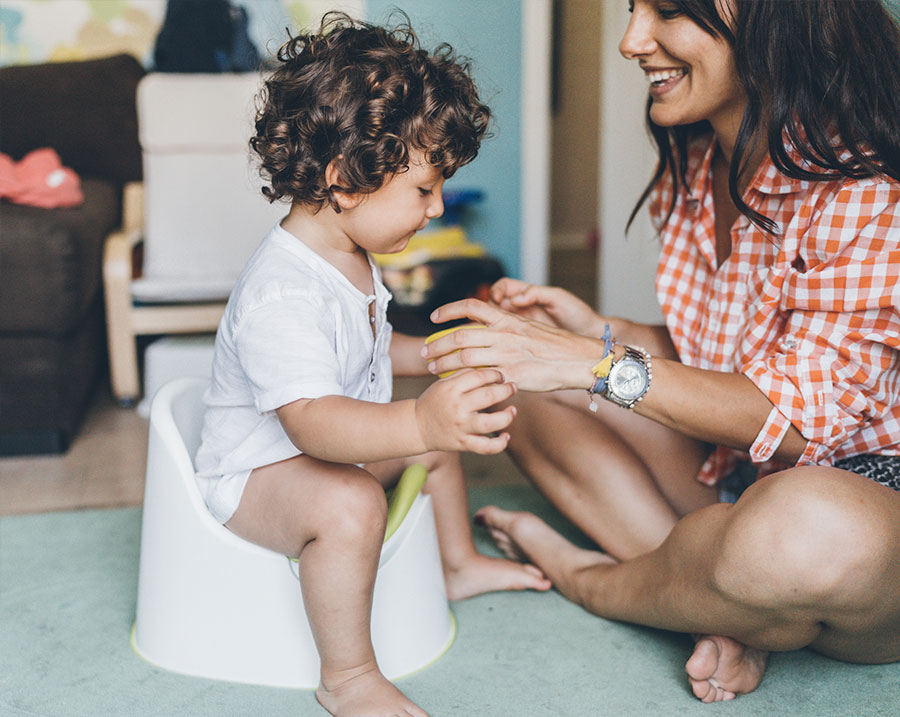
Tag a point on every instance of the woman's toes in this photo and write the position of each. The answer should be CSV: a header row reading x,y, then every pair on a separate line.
x,y
702,664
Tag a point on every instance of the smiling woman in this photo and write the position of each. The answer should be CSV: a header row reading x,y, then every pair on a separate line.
x,y
691,71
752,496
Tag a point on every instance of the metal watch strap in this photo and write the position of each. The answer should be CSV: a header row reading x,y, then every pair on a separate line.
x,y
640,355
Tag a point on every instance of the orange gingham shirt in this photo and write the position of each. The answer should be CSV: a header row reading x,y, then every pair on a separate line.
x,y
809,315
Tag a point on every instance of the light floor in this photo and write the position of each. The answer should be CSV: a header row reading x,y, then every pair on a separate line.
x,y
104,467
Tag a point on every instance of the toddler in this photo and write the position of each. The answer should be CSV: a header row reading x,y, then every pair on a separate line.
x,y
358,128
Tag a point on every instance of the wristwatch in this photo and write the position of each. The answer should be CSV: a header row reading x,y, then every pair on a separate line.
x,y
629,378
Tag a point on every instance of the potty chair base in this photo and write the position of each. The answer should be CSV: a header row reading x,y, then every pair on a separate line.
x,y
213,605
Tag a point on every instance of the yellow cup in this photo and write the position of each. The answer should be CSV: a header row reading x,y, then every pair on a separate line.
x,y
443,332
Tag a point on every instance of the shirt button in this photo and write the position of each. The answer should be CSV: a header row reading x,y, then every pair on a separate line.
x,y
372,376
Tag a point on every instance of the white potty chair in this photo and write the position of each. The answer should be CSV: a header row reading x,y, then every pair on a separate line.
x,y
213,605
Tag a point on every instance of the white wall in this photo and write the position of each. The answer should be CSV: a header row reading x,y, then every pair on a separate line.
x,y
535,141
627,266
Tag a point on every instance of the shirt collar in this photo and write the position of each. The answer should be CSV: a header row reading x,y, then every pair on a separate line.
x,y
766,179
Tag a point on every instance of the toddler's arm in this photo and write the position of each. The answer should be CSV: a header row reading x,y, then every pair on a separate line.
x,y
447,416
406,359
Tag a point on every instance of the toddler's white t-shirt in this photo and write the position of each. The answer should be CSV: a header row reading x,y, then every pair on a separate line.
x,y
294,327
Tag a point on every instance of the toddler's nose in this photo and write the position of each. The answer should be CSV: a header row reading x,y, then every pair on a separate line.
x,y
436,207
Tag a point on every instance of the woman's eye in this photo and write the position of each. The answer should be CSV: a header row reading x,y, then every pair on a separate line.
x,y
669,12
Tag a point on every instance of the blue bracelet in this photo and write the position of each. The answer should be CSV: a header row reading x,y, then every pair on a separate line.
x,y
599,385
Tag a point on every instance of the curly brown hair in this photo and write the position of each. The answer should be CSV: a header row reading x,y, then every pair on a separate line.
x,y
365,96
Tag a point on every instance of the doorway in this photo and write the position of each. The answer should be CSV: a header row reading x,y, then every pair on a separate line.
x,y
574,146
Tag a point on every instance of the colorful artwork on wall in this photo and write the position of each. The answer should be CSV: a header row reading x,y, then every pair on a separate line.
x,y
33,31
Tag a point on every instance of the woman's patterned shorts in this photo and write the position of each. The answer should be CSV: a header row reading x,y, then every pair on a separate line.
x,y
881,469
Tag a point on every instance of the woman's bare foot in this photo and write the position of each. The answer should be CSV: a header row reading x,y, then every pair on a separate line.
x,y
523,536
478,573
722,668
367,694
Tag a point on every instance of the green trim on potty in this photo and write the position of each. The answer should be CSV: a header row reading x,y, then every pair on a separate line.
x,y
450,641
408,487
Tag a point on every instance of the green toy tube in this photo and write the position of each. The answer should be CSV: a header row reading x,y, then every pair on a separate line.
x,y
405,492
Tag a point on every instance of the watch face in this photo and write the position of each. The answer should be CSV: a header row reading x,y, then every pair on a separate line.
x,y
629,381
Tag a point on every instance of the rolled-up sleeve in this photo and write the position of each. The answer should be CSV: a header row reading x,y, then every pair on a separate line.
x,y
835,368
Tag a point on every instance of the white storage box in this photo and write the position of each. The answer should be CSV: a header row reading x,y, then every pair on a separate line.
x,y
174,357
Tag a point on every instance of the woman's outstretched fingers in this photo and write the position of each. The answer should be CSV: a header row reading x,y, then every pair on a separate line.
x,y
473,309
446,358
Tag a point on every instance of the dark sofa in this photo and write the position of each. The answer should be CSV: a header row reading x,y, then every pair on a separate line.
x,y
52,341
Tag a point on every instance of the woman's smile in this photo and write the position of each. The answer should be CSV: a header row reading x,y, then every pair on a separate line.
x,y
663,80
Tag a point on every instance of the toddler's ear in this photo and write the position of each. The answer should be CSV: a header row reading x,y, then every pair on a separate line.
x,y
333,178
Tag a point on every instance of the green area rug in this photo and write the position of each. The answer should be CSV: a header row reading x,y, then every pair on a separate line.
x,y
67,593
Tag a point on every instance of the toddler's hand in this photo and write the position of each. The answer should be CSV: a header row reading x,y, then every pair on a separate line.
x,y
450,414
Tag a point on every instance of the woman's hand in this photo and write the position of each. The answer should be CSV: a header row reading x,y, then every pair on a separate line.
x,y
450,413
533,355
548,304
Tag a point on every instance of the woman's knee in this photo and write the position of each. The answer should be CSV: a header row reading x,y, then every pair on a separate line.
x,y
801,536
543,419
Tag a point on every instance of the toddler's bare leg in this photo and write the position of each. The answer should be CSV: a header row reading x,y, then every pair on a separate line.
x,y
466,571
332,516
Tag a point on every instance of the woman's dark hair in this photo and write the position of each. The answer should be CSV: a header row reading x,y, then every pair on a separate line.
x,y
810,68
365,96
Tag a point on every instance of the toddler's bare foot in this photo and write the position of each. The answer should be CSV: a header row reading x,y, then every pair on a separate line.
x,y
367,694
479,573
722,668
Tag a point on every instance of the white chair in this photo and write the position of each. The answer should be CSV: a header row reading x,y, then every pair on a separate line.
x,y
198,214
213,605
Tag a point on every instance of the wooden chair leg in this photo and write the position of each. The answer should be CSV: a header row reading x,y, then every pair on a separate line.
x,y
121,339
123,367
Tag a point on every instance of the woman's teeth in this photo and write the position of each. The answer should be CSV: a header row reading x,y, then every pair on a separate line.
x,y
657,78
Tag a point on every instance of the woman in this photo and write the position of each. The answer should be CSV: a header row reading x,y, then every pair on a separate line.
x,y
777,198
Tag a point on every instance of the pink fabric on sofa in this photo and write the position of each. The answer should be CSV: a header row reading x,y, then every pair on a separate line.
x,y
39,179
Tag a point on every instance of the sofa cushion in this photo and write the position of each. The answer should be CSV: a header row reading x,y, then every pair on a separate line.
x,y
84,110
51,260
46,381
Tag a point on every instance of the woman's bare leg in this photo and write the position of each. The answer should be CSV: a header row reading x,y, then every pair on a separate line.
x,y
466,571
332,516
621,478
806,557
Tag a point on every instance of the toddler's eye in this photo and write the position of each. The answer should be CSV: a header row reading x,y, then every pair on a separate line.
x,y
424,192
